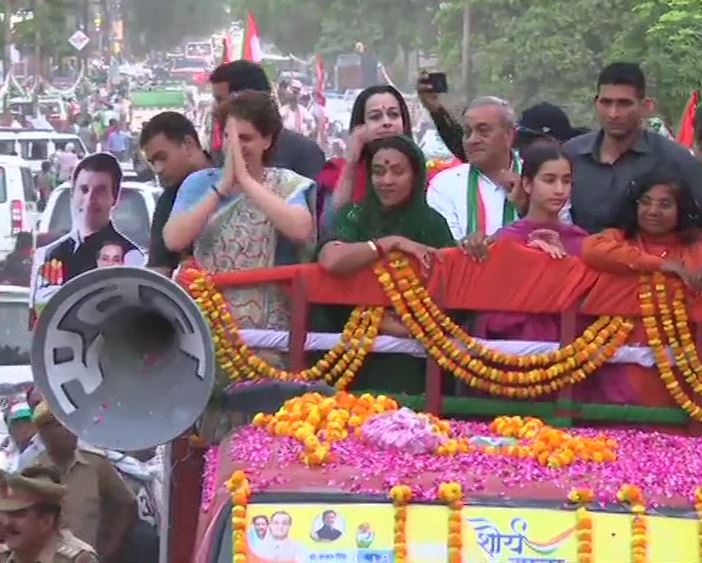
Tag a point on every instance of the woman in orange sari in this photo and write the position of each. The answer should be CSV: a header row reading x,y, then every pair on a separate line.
x,y
657,231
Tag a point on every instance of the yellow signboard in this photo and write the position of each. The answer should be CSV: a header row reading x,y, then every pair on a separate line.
x,y
363,533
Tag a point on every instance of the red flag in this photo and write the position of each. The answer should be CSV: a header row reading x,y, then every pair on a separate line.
x,y
319,89
252,41
686,134
227,48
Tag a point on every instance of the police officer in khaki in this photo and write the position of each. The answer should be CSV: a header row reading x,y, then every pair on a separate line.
x,y
30,513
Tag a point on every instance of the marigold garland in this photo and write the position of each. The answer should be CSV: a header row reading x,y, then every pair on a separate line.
x,y
401,495
452,494
317,421
237,360
550,446
583,523
441,348
632,495
685,353
240,490
548,373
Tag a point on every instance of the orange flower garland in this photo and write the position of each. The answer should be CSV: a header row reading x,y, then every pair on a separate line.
x,y
237,360
698,510
401,495
581,348
551,372
238,486
632,495
681,352
492,380
317,421
452,494
550,446
583,523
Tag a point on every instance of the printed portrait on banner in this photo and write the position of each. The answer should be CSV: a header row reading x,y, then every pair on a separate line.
x,y
93,241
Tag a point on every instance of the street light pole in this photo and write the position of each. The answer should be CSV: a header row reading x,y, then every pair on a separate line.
x,y
7,28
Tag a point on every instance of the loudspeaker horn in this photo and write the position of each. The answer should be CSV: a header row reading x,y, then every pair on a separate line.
x,y
124,358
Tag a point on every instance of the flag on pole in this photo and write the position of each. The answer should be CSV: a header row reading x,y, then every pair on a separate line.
x,y
321,102
227,49
252,41
686,133
227,56
320,79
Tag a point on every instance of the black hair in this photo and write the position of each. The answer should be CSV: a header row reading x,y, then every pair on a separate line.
x,y
24,241
358,111
46,166
172,125
539,153
260,516
399,143
241,75
324,514
688,209
623,74
101,162
259,109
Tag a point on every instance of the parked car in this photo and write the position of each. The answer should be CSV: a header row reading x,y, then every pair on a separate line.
x,y
36,146
132,216
15,338
18,201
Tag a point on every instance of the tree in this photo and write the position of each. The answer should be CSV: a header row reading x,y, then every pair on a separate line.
x,y
162,24
667,36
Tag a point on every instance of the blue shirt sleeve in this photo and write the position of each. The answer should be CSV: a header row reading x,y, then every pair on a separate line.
x,y
194,188
304,196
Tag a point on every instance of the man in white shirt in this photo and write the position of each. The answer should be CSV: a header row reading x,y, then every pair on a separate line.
x,y
295,115
474,197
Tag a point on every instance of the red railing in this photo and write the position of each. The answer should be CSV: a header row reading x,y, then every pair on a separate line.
x,y
513,280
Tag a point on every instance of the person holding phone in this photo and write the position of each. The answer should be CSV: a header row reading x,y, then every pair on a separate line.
x,y
379,112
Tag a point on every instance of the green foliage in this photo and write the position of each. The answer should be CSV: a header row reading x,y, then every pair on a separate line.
x,y
163,24
551,50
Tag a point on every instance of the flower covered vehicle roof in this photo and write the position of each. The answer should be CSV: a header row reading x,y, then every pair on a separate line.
x,y
343,476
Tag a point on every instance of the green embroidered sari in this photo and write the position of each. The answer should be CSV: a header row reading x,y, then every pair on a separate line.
x,y
367,220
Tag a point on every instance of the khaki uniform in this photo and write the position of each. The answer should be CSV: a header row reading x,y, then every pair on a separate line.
x,y
21,491
64,547
93,490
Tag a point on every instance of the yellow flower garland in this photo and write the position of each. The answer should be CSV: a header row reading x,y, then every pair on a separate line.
x,y
632,495
493,380
428,324
583,524
452,494
666,370
401,495
237,360
239,489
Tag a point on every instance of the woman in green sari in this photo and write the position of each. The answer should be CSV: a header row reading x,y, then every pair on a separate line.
x,y
393,216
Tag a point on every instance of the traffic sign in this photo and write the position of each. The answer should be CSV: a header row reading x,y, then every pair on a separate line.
x,y
79,40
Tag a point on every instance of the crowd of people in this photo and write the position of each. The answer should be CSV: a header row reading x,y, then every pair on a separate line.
x,y
622,198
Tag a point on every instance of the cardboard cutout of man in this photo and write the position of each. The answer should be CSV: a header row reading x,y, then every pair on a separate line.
x,y
95,192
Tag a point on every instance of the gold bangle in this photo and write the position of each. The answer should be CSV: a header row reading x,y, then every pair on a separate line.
x,y
373,247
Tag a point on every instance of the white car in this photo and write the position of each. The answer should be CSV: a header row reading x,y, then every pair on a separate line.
x,y
132,216
36,146
18,201
15,339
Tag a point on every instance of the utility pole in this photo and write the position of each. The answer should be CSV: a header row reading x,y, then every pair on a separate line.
x,y
38,24
466,55
7,29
